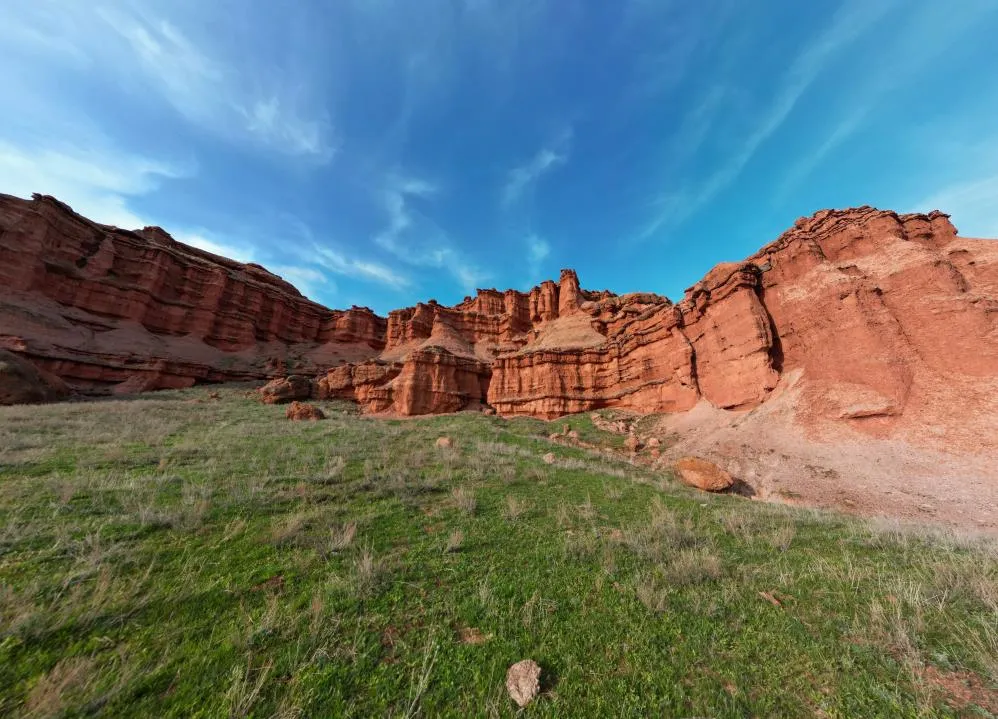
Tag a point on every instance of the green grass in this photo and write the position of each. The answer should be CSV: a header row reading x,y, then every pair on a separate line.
x,y
176,556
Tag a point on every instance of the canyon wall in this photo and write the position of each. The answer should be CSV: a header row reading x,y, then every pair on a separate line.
x,y
873,310
876,311
111,309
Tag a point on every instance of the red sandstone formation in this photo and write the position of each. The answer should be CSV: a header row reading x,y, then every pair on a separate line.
x,y
700,473
303,412
872,309
107,309
286,389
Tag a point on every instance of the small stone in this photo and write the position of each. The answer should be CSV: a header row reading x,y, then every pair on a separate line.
x,y
572,435
632,443
655,453
523,681
445,442
654,442
549,458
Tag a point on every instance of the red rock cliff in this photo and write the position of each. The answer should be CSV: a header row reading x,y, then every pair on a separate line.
x,y
873,310
102,307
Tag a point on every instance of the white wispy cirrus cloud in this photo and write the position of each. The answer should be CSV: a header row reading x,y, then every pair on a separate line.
x,y
414,238
973,205
156,49
521,179
310,282
97,182
339,264
852,20
214,92
538,250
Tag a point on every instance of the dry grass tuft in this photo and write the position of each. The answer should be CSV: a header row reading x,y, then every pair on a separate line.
x,y
454,541
60,686
367,573
287,530
783,536
341,536
465,500
515,508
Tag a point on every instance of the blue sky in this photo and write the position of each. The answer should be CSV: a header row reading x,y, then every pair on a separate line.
x,y
382,152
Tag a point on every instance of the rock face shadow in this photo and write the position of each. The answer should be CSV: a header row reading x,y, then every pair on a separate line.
x,y
742,489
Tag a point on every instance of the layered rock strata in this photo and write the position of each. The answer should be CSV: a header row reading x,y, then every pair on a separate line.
x,y
105,308
873,310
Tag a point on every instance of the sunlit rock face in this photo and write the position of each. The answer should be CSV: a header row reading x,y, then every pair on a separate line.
x,y
872,310
105,308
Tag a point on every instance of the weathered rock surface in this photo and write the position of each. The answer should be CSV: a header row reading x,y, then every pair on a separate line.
x,y
702,474
23,383
874,311
302,412
287,389
105,308
523,681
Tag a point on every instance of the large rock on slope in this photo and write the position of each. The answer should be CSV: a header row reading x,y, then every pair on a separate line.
x,y
704,475
103,307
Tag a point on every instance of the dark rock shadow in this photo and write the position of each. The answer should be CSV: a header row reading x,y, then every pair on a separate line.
x,y
742,489
549,678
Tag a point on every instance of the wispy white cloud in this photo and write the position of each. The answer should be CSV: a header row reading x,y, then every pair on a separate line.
x,y
414,238
538,250
161,50
814,159
339,264
307,280
96,182
203,240
213,92
973,205
521,179
850,22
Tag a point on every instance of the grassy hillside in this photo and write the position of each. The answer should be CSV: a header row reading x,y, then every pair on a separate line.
x,y
178,555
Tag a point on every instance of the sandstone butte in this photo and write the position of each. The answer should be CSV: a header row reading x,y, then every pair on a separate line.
x,y
872,310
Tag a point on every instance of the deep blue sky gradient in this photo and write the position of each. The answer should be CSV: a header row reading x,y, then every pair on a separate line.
x,y
383,152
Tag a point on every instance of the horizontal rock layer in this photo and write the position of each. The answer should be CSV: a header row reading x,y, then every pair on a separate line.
x,y
103,307
873,309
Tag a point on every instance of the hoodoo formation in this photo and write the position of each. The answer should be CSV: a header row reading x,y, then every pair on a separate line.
x,y
873,311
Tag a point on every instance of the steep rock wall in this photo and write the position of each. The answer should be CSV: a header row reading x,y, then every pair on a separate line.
x,y
100,306
874,310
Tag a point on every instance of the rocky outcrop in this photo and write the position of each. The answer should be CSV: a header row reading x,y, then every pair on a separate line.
x,y
303,412
872,310
107,308
287,389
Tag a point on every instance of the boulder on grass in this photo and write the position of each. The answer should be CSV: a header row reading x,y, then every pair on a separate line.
x,y
287,389
632,443
523,681
444,442
302,411
702,474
